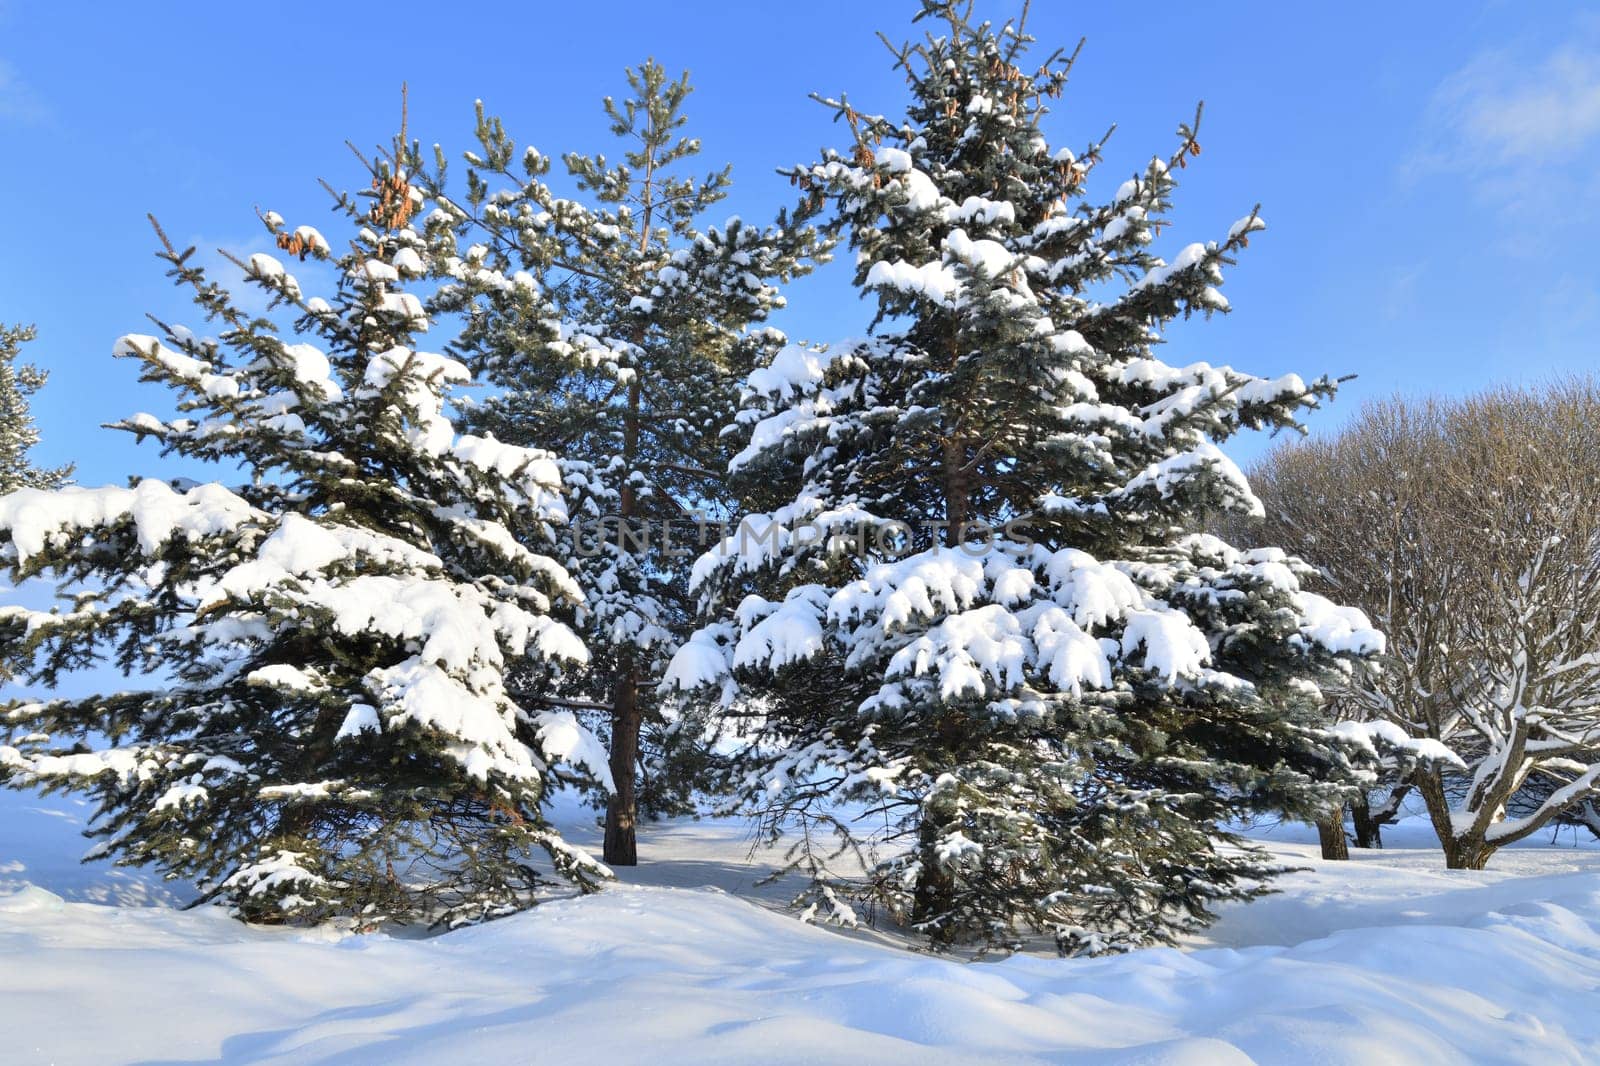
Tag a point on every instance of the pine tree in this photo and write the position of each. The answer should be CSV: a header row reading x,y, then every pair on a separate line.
x,y
655,334
330,734
18,434
985,649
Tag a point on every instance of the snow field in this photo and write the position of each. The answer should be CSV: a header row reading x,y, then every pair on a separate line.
x,y
1384,959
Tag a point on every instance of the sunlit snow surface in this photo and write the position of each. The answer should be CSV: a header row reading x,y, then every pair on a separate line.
x,y
1384,959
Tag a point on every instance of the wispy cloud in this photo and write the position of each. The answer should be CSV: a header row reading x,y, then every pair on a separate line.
x,y
1521,123
18,101
1500,110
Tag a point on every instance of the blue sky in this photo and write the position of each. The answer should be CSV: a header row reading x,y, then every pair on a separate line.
x,y
1425,168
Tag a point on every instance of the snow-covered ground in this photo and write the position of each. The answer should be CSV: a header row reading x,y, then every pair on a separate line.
x,y
1384,959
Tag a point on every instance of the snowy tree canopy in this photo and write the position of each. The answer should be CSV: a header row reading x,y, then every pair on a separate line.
x,y
971,608
330,732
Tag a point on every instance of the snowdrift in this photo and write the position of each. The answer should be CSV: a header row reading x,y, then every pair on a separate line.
x,y
1386,959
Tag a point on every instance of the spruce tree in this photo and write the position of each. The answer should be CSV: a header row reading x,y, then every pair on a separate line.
x,y
655,313
984,648
330,733
18,434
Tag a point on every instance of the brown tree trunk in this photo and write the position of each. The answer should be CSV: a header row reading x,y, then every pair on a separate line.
x,y
621,846
1469,852
1369,833
1330,832
957,490
622,815
935,894
935,889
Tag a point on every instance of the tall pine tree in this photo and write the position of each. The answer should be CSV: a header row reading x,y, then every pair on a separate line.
x,y
330,735
18,433
631,388
982,645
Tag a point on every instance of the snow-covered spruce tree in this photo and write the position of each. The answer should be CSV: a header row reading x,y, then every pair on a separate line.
x,y
977,631
658,324
18,434
331,734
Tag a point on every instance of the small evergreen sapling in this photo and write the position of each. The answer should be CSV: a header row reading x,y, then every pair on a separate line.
x,y
330,735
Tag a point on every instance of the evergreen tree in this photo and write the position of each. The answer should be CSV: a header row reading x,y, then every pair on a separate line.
x,y
331,735
18,434
985,649
632,388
